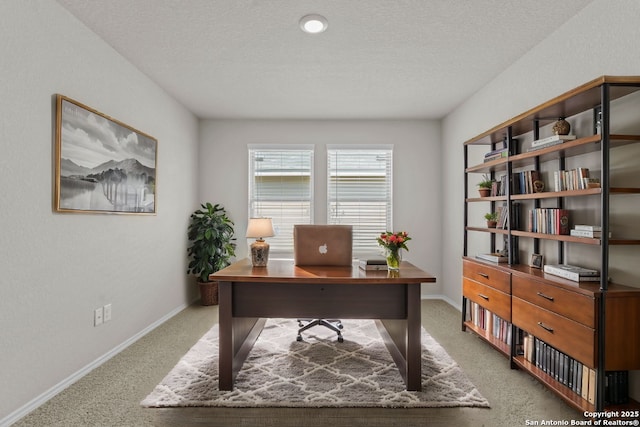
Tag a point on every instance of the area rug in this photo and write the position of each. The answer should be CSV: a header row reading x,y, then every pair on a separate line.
x,y
317,372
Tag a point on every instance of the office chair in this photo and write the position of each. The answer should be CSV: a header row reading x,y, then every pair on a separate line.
x,y
308,242
333,324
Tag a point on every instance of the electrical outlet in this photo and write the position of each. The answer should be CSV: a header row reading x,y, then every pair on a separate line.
x,y
107,312
98,316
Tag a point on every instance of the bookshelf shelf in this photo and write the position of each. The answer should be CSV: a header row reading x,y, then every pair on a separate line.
x,y
592,322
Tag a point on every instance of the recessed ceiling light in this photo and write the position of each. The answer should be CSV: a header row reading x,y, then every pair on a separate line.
x,y
313,24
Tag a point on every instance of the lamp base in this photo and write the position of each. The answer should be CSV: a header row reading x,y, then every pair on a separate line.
x,y
259,253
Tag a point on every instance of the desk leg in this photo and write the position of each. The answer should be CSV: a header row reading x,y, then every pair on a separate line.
x,y
237,336
414,341
403,340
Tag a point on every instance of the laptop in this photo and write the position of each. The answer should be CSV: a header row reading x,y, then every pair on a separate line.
x,y
326,245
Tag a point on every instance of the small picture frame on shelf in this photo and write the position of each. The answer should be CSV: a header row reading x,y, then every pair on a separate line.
x,y
536,260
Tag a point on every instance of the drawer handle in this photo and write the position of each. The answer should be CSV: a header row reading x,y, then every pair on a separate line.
x,y
545,327
545,296
483,297
486,276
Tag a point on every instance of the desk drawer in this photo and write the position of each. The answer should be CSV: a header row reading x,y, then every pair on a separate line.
x,y
487,275
578,307
495,301
568,336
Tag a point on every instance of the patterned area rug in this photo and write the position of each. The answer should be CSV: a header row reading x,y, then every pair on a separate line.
x,y
318,372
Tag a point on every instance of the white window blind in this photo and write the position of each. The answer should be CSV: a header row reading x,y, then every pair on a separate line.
x,y
281,188
359,192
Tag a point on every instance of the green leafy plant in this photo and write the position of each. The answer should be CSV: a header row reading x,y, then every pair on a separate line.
x,y
212,243
491,216
486,182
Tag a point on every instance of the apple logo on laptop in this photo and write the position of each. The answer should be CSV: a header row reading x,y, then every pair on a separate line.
x,y
323,249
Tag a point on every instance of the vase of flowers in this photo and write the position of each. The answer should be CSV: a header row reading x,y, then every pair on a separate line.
x,y
393,243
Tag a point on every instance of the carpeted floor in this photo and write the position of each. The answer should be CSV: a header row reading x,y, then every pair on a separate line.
x,y
318,372
111,394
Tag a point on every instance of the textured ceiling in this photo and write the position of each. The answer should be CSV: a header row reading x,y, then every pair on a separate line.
x,y
377,59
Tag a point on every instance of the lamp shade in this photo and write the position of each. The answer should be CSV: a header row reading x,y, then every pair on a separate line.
x,y
260,227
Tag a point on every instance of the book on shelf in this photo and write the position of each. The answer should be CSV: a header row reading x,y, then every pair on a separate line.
x,y
616,387
527,182
584,390
560,366
572,272
505,219
495,188
587,227
493,257
574,179
552,138
591,397
496,154
548,221
587,233
373,264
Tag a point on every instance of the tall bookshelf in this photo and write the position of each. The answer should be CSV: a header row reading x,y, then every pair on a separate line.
x,y
591,328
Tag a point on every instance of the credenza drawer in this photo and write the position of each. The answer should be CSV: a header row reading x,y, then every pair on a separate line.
x,y
487,275
493,300
580,308
568,336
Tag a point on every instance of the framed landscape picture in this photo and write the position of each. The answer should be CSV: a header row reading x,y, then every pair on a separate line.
x,y
102,165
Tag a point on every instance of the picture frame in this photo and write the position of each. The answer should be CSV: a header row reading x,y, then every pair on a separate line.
x,y
536,261
101,164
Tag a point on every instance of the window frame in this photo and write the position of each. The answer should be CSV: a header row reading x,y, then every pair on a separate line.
x,y
364,240
282,243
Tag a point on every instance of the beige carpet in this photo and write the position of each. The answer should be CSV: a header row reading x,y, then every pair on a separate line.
x,y
318,372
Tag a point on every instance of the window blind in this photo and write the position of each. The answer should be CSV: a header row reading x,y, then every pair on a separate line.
x,y
359,193
281,188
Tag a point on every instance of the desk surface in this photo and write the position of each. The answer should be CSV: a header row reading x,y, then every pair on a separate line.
x,y
282,271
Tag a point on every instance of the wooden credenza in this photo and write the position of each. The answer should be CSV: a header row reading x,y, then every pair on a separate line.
x,y
559,312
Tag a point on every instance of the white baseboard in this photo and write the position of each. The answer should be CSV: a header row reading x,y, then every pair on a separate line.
x,y
44,397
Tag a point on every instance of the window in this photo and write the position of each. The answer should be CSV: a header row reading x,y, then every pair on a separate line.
x,y
359,192
280,187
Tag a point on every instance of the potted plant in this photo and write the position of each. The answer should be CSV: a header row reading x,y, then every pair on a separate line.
x,y
492,219
484,186
212,246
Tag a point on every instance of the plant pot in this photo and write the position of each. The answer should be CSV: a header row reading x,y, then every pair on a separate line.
x,y
492,224
484,192
208,293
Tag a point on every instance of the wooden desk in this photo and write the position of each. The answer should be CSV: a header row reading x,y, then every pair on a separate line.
x,y
248,295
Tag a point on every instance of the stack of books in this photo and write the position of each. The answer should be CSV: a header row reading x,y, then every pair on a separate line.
x,y
373,264
591,231
496,154
574,179
539,144
572,272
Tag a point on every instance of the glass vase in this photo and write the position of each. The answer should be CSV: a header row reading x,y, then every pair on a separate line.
x,y
393,256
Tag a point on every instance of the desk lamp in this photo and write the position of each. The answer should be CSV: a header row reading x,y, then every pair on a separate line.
x,y
260,228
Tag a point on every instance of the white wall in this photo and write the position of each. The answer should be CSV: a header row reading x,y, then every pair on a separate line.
x,y
57,268
417,178
602,39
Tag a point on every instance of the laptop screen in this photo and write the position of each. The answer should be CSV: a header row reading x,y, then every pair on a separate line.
x,y
327,245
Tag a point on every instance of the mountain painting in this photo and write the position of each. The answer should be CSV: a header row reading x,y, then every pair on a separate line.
x,y
102,165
